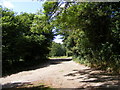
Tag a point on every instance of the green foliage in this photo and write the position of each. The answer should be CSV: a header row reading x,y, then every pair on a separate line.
x,y
57,49
26,37
91,33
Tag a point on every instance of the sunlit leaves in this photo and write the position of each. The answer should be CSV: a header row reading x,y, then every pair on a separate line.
x,y
25,36
57,49
91,31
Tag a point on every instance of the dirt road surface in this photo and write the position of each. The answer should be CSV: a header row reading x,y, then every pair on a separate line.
x,y
64,74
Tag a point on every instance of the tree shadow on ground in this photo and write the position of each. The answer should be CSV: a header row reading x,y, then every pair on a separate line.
x,y
92,79
58,61
49,62
19,68
24,86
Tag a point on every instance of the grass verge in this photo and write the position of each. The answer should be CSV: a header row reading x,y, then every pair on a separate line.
x,y
61,57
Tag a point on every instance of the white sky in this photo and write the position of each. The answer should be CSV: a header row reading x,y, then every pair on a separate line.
x,y
57,39
7,4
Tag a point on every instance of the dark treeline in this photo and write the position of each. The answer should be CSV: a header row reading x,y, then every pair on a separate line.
x,y
91,32
25,39
57,49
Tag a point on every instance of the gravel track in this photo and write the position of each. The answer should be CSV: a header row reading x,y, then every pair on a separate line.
x,y
64,74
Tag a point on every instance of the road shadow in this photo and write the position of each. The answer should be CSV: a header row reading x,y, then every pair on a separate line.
x,y
58,60
95,79
48,63
20,67
24,86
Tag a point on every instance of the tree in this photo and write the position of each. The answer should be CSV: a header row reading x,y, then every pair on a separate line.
x,y
57,49
89,33
26,37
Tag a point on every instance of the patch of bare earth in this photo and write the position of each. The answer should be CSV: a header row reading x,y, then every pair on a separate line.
x,y
66,74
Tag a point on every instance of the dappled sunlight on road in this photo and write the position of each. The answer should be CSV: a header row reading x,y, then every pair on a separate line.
x,y
64,73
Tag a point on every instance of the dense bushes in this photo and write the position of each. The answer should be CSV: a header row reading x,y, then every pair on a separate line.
x,y
91,32
26,39
57,49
